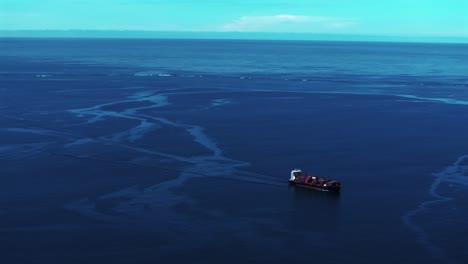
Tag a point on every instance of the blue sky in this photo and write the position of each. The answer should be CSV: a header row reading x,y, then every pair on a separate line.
x,y
374,17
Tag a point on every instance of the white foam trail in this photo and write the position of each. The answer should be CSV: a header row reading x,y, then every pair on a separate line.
x,y
283,98
159,196
135,133
196,132
38,131
143,74
220,102
157,153
43,75
216,102
369,92
151,74
21,151
141,95
157,100
435,99
201,138
457,173
164,75
80,141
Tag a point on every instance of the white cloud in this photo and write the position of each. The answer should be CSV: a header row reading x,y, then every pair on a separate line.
x,y
287,23
341,24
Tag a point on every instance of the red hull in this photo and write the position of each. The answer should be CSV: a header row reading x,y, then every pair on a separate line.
x,y
320,184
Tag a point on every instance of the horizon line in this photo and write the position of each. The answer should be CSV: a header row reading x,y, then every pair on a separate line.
x,y
232,35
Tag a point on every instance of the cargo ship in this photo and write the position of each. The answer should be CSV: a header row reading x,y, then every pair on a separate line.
x,y
301,179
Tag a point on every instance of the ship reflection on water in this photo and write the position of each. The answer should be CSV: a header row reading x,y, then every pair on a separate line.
x,y
305,192
318,207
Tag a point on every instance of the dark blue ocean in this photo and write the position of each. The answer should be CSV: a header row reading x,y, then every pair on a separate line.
x,y
179,151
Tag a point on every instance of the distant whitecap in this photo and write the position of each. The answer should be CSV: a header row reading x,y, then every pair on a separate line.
x,y
43,75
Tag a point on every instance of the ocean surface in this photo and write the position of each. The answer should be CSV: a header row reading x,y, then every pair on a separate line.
x,y
179,151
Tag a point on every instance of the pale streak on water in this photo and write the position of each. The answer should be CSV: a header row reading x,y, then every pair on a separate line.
x,y
159,196
457,173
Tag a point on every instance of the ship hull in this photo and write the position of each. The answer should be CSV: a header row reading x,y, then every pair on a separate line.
x,y
315,187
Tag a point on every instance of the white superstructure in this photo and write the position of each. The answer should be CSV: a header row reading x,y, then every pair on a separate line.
x,y
295,173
